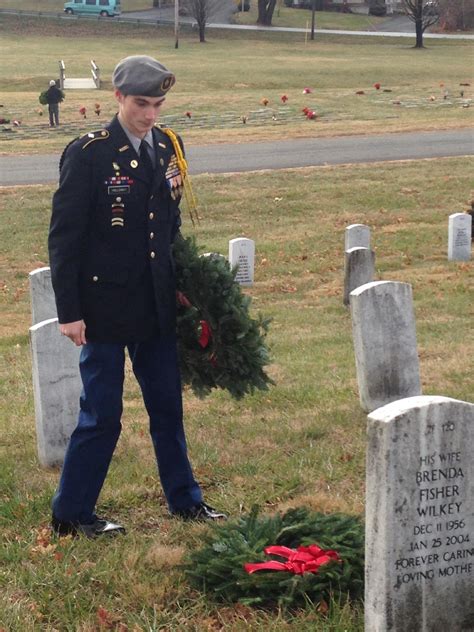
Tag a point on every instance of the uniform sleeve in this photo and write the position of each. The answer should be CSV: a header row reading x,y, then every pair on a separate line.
x,y
68,229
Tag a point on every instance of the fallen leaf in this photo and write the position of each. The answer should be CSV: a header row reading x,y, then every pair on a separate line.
x,y
323,607
106,619
345,458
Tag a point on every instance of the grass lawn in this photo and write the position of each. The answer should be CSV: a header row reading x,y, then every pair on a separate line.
x,y
301,18
224,81
300,444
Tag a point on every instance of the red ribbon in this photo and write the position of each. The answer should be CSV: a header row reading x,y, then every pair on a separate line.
x,y
205,329
205,336
304,559
183,299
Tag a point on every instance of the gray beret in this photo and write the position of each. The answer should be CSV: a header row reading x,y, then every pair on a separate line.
x,y
142,75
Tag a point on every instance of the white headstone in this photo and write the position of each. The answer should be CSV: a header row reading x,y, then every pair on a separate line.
x,y
242,254
57,388
359,269
43,305
420,517
459,237
383,327
357,236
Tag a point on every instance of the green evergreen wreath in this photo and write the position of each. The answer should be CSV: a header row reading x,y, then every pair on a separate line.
x,y
43,99
218,567
220,345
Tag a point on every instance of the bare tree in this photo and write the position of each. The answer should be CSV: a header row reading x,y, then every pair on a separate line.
x,y
456,15
265,12
202,11
424,13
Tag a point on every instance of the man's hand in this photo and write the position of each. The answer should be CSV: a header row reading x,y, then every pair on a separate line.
x,y
75,331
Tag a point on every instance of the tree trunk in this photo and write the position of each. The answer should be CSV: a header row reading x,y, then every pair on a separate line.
x,y
419,33
265,12
202,32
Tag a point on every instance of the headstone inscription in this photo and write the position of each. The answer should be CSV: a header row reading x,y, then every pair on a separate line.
x,y
57,387
357,236
42,296
459,237
359,269
242,254
383,327
420,517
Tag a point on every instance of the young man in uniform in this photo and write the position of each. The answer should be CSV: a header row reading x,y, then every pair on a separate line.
x,y
115,217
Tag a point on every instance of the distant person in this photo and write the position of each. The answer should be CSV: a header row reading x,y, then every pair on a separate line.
x,y
115,217
54,96
471,213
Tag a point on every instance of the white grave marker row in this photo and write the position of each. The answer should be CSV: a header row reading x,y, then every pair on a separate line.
x,y
359,268
242,254
57,387
459,237
357,236
383,327
420,517
42,295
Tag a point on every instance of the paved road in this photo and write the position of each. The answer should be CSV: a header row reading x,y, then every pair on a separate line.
x,y
396,26
43,169
225,9
222,13
401,28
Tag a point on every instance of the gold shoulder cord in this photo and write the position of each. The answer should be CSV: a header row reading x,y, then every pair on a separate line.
x,y
189,196
101,135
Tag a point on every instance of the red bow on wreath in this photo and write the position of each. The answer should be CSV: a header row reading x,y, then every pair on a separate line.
x,y
304,559
206,333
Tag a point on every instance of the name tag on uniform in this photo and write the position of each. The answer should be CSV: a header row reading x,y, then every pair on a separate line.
x,y
122,189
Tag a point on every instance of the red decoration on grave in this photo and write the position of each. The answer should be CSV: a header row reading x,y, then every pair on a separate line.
x,y
304,559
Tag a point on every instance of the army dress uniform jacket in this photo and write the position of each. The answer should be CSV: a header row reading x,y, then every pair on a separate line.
x,y
111,235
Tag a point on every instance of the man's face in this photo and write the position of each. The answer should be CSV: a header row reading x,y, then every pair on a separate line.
x,y
138,113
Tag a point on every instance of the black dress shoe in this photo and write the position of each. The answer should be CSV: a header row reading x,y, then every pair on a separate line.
x,y
200,512
93,530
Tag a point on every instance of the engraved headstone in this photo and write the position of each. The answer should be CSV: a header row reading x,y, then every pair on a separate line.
x,y
242,254
420,517
383,327
359,269
56,387
459,237
43,305
357,236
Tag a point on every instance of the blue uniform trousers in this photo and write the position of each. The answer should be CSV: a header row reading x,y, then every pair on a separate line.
x,y
92,443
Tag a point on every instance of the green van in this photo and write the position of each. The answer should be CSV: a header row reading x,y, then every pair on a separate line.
x,y
105,8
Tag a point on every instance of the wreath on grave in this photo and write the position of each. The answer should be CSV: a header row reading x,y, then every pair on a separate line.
x,y
220,344
317,559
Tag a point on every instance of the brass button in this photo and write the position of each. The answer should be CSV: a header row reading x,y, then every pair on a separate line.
x,y
152,235
152,254
95,278
151,215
